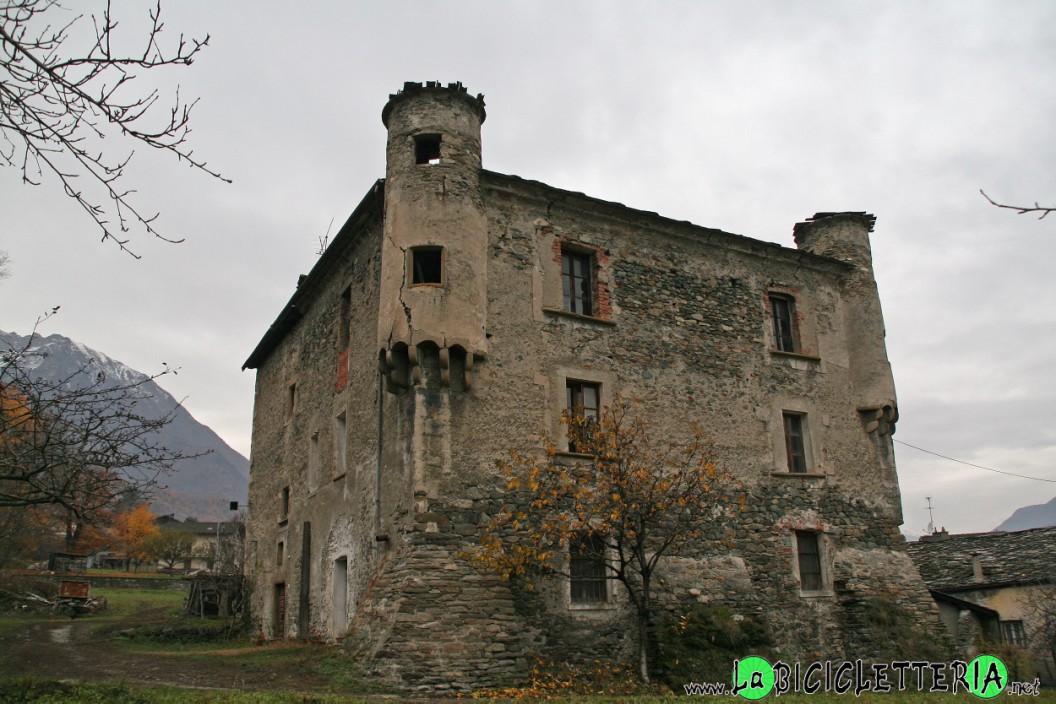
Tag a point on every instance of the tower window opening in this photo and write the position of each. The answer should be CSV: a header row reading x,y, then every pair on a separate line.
x,y
427,149
427,265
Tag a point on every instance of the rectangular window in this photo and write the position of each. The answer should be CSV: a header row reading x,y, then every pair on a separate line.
x,y
783,311
808,552
313,462
587,569
291,401
583,400
576,282
280,553
1012,632
427,265
427,149
285,506
795,442
279,626
340,445
344,313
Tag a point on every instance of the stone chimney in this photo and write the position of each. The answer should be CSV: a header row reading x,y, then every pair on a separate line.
x,y
977,568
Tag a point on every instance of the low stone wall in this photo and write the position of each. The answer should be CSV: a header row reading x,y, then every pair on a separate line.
x,y
111,581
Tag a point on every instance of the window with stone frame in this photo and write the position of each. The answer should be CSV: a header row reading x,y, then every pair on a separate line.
x,y
783,318
1012,633
284,507
280,553
588,582
808,560
583,400
577,281
427,265
796,446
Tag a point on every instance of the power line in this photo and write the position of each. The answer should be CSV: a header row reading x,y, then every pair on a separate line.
x,y
977,466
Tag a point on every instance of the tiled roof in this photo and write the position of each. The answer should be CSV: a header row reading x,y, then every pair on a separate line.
x,y
1007,558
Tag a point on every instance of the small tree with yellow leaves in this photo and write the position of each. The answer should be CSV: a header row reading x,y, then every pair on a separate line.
x,y
625,499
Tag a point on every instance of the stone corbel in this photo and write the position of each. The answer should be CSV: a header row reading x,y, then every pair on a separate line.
x,y
415,367
393,366
445,367
880,419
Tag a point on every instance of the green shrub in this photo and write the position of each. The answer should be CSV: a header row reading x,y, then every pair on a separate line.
x,y
700,644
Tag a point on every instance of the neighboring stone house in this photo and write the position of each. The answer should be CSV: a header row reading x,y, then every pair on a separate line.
x,y
994,588
458,311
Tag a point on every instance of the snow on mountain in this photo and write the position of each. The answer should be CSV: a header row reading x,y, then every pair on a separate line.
x,y
201,487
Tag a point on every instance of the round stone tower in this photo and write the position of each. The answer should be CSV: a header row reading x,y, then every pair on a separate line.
x,y
434,253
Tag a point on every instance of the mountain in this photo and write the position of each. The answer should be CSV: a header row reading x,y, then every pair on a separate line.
x,y
200,487
1036,516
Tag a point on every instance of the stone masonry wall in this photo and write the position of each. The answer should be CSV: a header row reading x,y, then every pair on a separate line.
x,y
681,323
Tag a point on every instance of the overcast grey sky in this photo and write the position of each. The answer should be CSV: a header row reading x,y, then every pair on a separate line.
x,y
744,116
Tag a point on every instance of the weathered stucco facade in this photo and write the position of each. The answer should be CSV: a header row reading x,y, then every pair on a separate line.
x,y
446,324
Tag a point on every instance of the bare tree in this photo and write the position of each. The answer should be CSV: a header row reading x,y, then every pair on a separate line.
x,y
1042,210
80,441
171,546
5,260
230,546
60,97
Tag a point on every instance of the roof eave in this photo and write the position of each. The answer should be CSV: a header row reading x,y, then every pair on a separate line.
x,y
292,312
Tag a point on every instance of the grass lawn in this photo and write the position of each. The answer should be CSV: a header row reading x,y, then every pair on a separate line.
x,y
122,606
50,692
27,691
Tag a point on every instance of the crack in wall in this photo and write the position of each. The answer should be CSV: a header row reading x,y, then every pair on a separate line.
x,y
399,296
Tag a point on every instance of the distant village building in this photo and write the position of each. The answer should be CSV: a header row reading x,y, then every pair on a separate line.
x,y
458,311
995,588
213,541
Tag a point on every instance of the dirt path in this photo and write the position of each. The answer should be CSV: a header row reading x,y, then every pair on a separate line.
x,y
75,649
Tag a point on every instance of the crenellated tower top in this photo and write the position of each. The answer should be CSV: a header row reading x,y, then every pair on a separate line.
x,y
456,90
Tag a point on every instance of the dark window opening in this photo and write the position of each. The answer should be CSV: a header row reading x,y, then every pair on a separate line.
x,y
285,503
280,553
1012,632
280,610
576,282
583,400
427,149
782,310
808,550
587,569
427,265
344,313
795,443
291,401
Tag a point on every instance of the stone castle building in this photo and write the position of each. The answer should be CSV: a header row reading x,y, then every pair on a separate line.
x,y
458,311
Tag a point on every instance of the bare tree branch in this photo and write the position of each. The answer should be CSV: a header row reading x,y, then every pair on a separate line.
x,y
78,439
1022,209
58,103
